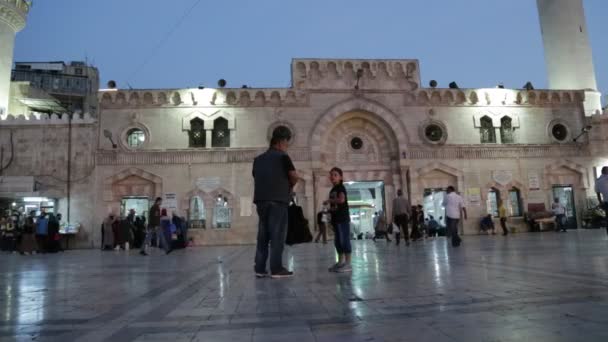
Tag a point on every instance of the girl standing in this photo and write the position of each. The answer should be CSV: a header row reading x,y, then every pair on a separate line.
x,y
340,220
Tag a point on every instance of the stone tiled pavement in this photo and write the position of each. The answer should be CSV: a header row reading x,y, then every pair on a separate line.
x,y
526,287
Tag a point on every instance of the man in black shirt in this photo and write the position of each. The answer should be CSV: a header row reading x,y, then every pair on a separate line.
x,y
274,178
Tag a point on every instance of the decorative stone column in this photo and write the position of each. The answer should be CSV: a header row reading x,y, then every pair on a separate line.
x,y
13,15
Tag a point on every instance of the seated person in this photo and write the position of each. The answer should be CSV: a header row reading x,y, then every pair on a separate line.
x,y
487,224
432,226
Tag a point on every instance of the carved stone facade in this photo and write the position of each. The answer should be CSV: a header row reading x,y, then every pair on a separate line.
x,y
374,132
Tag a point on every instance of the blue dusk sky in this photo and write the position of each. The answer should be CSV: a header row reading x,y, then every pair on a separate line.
x,y
186,43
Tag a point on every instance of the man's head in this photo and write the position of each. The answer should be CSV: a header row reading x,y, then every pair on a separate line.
x,y
605,170
450,189
280,138
399,193
158,200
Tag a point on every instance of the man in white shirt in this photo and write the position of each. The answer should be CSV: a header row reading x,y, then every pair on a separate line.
x,y
560,215
601,189
454,204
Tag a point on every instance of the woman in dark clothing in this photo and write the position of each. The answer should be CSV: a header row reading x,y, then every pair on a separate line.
x,y
415,224
53,241
28,239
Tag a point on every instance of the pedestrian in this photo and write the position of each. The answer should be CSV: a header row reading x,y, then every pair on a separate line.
x,y
502,214
340,220
381,228
107,233
165,231
454,205
560,215
42,232
601,189
28,239
153,225
54,240
274,177
401,214
322,222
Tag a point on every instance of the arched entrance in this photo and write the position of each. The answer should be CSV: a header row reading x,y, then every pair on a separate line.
x,y
365,140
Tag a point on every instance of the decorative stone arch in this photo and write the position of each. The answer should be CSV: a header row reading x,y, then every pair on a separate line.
x,y
112,193
416,176
209,119
496,119
374,108
552,174
504,189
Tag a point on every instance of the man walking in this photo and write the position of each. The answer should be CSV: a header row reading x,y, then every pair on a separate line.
x,y
454,204
601,189
274,178
153,225
559,210
502,214
401,214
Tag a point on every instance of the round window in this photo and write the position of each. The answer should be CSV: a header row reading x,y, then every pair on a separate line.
x,y
356,143
135,138
433,132
560,132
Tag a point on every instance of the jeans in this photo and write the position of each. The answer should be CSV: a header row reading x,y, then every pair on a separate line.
x,y
342,238
160,238
559,222
452,225
272,228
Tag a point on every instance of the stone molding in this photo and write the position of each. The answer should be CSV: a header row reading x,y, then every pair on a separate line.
x,y
493,97
495,151
108,194
570,165
342,74
14,13
54,119
209,118
208,97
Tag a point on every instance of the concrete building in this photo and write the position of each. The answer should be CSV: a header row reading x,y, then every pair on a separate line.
x,y
373,118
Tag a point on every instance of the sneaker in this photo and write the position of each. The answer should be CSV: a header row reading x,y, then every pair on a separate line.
x,y
284,273
335,267
261,274
345,268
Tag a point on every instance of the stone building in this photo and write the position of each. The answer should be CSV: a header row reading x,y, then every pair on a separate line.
x,y
372,118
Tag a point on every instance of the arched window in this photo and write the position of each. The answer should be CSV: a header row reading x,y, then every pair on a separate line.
x,y
492,203
196,213
197,133
515,202
506,130
487,131
221,134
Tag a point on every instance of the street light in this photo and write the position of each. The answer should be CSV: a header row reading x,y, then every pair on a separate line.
x,y
585,130
359,75
108,134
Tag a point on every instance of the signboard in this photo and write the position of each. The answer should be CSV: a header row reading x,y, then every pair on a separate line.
x,y
533,180
208,184
474,196
170,202
502,177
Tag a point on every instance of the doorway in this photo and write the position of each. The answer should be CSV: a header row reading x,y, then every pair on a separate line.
x,y
433,205
141,205
365,199
565,194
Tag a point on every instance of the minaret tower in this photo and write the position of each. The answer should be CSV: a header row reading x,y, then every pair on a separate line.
x,y
567,49
13,15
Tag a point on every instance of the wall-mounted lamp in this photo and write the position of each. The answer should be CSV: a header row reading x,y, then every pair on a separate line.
x,y
108,135
585,130
359,75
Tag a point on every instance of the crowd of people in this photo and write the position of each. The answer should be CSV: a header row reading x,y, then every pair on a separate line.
x,y
30,234
136,232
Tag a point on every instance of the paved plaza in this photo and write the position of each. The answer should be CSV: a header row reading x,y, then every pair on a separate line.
x,y
526,287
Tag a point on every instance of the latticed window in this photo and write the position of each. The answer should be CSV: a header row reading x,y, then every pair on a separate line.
x,y
197,133
506,130
492,203
221,134
487,131
515,201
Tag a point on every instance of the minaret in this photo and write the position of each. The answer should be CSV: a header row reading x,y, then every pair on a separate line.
x,y
13,15
567,49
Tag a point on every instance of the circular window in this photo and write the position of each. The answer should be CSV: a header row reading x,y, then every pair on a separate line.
x,y
433,132
135,138
559,132
356,143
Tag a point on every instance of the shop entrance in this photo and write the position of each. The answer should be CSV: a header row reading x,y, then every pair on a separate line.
x,y
433,205
365,199
565,194
141,205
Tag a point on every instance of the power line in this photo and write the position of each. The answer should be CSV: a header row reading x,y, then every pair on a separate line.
x,y
163,40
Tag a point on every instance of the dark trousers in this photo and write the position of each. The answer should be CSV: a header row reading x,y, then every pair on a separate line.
x,y
559,222
342,238
401,221
503,225
42,242
452,226
322,231
272,229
